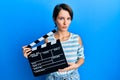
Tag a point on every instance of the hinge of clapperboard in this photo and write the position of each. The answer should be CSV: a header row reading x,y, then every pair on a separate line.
x,y
41,39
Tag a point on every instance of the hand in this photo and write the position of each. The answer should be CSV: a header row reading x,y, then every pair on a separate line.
x,y
26,51
70,67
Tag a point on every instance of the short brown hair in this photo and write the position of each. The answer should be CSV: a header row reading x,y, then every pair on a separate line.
x,y
60,7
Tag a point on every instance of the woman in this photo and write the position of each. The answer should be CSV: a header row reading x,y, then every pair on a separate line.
x,y
71,43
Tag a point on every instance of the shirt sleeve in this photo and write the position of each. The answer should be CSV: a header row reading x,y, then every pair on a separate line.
x,y
80,52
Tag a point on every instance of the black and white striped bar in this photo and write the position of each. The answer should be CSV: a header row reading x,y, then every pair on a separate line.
x,y
43,45
42,38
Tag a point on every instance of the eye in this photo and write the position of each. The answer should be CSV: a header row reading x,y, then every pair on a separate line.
x,y
61,18
68,18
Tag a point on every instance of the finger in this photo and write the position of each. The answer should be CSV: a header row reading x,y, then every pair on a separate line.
x,y
65,69
26,54
27,50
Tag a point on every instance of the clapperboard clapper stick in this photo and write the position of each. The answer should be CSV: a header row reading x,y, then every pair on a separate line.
x,y
48,57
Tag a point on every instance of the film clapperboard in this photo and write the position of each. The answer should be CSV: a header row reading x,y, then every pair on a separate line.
x,y
46,58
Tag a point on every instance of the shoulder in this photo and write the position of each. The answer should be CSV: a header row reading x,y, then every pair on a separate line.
x,y
77,37
79,40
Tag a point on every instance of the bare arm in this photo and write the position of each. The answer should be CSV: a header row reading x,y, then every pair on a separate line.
x,y
81,60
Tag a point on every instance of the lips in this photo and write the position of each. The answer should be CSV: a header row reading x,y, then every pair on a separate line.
x,y
64,27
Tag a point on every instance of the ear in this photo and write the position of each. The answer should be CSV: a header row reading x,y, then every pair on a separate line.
x,y
55,23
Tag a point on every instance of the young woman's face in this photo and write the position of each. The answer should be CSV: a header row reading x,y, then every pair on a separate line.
x,y
63,20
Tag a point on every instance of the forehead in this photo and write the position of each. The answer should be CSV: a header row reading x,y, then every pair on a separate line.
x,y
64,13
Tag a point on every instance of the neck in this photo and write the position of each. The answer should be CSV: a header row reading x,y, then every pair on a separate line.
x,y
62,33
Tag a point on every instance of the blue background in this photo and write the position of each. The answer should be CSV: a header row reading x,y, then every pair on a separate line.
x,y
96,21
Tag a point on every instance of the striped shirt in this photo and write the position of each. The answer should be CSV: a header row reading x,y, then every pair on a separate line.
x,y
72,49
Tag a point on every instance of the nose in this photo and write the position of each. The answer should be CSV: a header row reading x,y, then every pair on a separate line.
x,y
65,22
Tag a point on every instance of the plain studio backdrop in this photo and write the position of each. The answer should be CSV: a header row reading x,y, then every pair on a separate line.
x,y
96,21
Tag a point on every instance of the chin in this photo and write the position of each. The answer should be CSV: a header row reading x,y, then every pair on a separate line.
x,y
64,29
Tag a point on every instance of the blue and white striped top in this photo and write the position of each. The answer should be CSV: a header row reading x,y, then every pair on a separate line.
x,y
72,49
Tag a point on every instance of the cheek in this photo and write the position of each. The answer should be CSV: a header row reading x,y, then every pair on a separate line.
x,y
59,23
69,22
